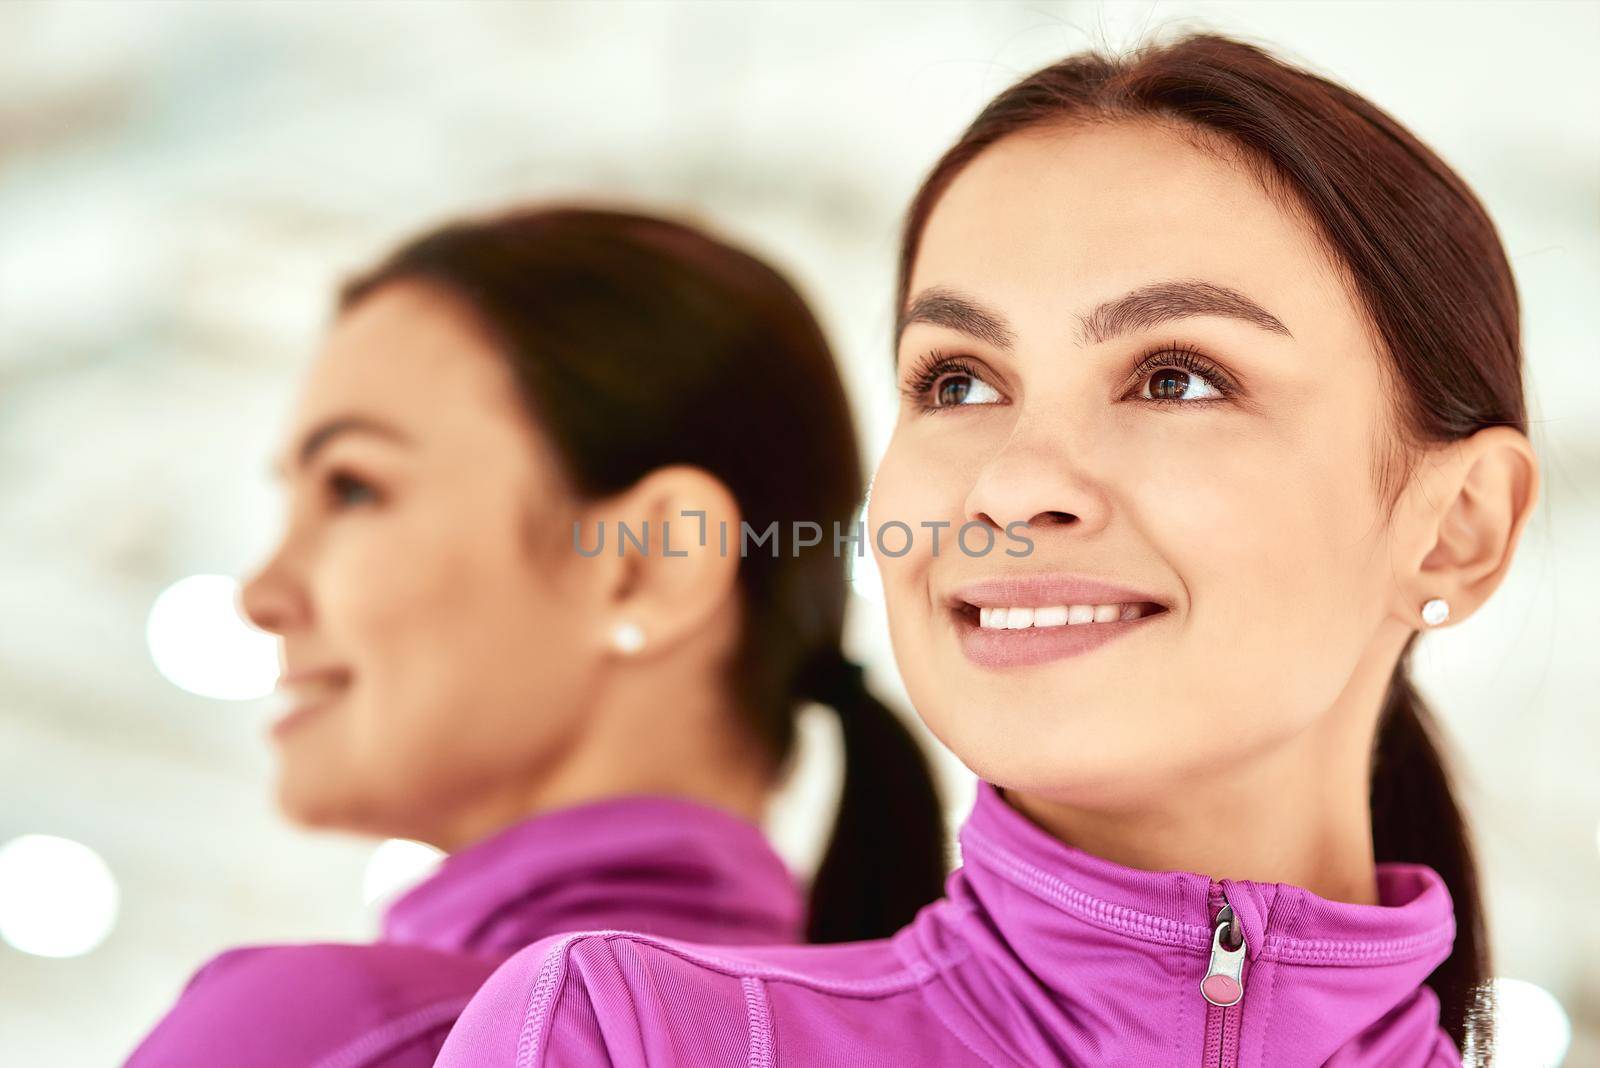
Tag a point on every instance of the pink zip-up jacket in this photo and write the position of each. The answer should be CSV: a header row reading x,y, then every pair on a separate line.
x,y
1038,954
653,863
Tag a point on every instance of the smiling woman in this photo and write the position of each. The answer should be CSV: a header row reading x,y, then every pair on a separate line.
x,y
1340,438
592,739
1241,356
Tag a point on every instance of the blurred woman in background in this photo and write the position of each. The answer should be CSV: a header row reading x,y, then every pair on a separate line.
x,y
1240,356
591,736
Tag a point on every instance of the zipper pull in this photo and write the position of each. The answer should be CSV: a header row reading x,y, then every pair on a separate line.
x,y
1224,984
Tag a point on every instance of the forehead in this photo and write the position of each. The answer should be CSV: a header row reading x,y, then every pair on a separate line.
x,y
1054,220
411,354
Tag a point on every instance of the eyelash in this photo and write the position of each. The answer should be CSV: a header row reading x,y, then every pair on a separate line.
x,y
936,363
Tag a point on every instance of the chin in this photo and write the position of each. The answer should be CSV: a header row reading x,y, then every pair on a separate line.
x,y
305,805
300,813
1061,760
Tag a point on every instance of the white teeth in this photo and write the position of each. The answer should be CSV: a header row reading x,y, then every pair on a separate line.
x,y
1054,616
1024,618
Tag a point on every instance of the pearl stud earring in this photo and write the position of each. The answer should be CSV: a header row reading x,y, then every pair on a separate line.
x,y
627,637
1436,611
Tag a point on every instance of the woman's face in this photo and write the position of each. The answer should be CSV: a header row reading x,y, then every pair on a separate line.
x,y
1128,345
423,550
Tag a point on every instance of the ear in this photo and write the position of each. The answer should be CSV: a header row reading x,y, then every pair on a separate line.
x,y
1465,510
671,555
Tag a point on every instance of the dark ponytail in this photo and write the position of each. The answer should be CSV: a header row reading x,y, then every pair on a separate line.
x,y
1424,261
886,859
639,342
1415,818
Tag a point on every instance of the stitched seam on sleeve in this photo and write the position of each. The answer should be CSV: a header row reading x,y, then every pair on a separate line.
x,y
365,1050
759,1013
541,1002
553,973
907,978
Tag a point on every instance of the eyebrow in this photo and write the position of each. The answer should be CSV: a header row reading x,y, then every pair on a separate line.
x,y
1149,305
332,428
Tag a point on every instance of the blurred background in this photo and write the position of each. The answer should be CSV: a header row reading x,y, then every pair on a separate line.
x,y
182,185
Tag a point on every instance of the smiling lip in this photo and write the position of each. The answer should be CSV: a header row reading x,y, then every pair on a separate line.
x,y
306,708
993,648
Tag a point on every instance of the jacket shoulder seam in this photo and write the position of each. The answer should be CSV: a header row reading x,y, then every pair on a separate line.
x,y
554,969
760,1015
542,999
907,977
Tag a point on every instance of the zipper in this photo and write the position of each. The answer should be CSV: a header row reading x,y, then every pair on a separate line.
x,y
1223,985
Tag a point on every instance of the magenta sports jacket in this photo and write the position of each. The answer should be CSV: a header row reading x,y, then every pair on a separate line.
x,y
652,863
1039,954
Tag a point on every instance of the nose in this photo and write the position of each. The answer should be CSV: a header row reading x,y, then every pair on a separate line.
x,y
273,599
1040,477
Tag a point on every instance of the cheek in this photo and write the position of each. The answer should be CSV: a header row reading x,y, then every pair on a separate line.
x,y
1277,546
917,482
506,645
385,587
906,492
449,633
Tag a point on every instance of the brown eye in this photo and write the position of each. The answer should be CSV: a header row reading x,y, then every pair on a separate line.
x,y
959,389
1176,375
1176,385
940,383
953,390
346,490
1169,384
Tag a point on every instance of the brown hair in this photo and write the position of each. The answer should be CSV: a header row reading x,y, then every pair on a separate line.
x,y
638,342
1427,268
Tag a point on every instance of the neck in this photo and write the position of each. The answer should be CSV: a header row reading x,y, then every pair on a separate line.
x,y
646,734
1298,812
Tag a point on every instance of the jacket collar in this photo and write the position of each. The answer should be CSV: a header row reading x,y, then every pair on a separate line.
x,y
1123,951
656,863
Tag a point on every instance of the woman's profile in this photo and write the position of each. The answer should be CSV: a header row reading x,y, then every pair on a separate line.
x,y
1238,358
591,737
